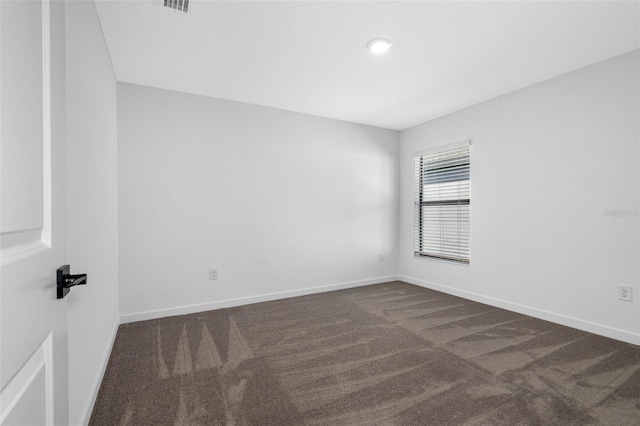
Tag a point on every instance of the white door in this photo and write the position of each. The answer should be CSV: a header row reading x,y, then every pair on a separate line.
x,y
33,340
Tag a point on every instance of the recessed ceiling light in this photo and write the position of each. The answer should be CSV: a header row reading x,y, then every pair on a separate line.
x,y
379,45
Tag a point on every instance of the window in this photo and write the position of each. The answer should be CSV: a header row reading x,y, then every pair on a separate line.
x,y
443,202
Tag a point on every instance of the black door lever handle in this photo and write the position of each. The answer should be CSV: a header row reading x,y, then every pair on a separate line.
x,y
65,280
72,280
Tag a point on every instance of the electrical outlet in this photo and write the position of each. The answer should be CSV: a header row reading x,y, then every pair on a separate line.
x,y
213,273
381,257
625,292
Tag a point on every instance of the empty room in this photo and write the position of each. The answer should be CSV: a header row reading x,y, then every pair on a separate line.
x,y
319,212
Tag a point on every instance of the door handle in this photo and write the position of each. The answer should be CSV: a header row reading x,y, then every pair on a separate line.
x,y
71,280
66,280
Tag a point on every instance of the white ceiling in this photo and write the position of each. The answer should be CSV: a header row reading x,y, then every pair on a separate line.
x,y
310,56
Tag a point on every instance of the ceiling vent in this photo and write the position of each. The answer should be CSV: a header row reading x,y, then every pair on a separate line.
x,y
182,5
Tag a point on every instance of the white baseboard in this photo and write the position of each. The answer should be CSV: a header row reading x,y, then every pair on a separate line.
x,y
229,303
95,388
583,325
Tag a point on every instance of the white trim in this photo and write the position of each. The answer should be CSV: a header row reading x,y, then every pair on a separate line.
x,y
97,381
603,330
14,254
229,303
436,259
47,352
21,238
46,123
461,144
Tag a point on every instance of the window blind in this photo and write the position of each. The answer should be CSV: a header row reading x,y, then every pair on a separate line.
x,y
442,204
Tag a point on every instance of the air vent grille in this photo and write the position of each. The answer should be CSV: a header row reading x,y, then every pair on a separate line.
x,y
182,5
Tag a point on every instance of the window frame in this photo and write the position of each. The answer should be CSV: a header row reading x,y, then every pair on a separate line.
x,y
460,203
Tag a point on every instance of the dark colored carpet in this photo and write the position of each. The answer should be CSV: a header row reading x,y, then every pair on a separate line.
x,y
386,354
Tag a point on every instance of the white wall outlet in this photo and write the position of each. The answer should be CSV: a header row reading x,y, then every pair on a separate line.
x,y
625,292
381,257
213,273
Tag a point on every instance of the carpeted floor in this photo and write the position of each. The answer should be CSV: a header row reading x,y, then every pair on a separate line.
x,y
386,354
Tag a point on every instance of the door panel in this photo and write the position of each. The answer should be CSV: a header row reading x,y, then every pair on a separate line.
x,y
33,336
22,93
30,408
26,398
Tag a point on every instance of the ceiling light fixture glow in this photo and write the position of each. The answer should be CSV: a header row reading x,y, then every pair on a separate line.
x,y
379,45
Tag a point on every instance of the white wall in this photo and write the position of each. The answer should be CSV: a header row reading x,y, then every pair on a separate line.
x,y
547,161
92,216
278,201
